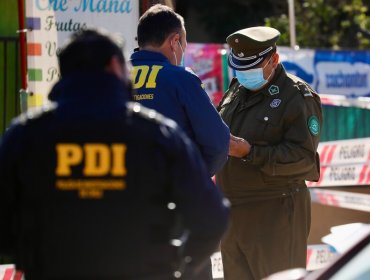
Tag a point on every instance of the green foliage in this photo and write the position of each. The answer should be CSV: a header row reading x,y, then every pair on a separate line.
x,y
220,18
9,82
330,24
9,18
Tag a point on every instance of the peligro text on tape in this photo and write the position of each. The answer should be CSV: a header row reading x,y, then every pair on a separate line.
x,y
349,200
344,151
343,175
319,256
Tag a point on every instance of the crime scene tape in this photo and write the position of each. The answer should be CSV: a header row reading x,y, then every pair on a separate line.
x,y
318,256
344,163
217,267
349,200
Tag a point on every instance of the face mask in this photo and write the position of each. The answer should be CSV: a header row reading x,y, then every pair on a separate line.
x,y
182,56
252,79
182,64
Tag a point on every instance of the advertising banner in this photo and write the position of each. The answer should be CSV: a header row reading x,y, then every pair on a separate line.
x,y
205,60
343,72
50,23
340,77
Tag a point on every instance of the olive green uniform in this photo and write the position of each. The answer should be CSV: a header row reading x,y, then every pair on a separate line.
x,y
270,216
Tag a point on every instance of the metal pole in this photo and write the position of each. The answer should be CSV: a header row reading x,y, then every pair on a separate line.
x,y
22,43
293,42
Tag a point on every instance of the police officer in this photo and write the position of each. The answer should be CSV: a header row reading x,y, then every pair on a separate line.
x,y
275,120
93,185
162,83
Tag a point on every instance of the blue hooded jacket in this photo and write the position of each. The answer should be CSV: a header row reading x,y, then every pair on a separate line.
x,y
100,209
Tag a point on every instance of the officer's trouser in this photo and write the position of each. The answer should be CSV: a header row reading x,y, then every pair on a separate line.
x,y
268,236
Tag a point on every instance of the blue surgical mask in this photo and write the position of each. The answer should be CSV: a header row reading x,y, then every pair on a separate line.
x,y
252,79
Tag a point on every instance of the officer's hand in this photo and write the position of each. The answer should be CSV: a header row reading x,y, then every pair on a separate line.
x,y
238,147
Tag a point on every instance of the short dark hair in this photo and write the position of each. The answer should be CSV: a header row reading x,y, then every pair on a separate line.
x,y
89,50
156,24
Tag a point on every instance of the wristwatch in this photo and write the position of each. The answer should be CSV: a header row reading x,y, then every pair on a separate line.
x,y
249,156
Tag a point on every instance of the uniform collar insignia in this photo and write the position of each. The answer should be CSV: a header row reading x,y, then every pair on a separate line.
x,y
275,103
273,89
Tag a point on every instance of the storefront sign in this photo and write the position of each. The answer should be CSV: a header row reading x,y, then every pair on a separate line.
x,y
51,22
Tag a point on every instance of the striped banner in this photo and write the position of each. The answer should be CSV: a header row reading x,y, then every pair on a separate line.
x,y
344,163
318,256
349,200
8,272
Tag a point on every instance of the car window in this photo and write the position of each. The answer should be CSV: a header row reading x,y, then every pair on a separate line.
x,y
358,268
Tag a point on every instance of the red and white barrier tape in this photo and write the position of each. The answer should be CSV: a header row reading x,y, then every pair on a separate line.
x,y
344,163
318,256
8,272
349,200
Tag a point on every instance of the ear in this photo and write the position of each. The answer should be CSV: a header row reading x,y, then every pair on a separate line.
x,y
173,38
275,59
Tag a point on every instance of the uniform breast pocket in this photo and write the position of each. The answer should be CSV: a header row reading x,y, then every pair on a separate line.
x,y
272,127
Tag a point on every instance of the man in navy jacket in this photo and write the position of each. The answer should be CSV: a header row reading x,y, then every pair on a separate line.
x,y
94,186
173,91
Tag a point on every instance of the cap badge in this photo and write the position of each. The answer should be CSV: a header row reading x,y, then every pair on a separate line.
x,y
241,54
273,89
275,103
313,125
236,40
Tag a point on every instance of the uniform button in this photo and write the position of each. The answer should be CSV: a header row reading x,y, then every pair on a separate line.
x,y
266,118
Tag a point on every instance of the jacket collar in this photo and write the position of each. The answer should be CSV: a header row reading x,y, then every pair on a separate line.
x,y
148,55
90,86
273,87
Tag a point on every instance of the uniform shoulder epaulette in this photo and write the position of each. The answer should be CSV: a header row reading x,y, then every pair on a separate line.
x,y
35,113
134,108
304,88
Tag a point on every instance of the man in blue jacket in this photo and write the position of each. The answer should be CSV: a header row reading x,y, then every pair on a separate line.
x,y
94,186
162,83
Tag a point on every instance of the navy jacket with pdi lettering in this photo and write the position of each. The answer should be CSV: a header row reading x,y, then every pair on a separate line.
x,y
178,94
91,188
